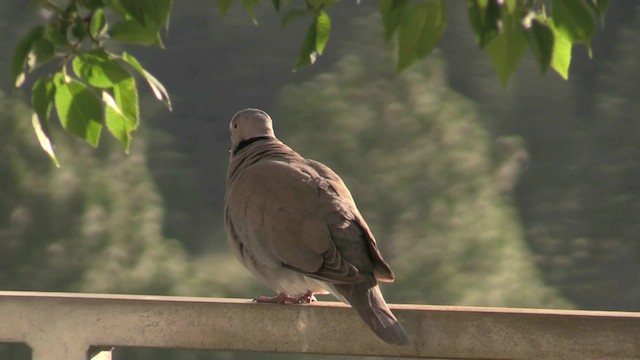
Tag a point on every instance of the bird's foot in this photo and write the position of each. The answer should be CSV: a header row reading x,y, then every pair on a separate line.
x,y
281,298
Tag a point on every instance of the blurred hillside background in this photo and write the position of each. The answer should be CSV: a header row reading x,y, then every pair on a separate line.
x,y
527,196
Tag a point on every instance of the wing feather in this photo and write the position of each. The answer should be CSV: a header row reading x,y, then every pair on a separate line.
x,y
275,210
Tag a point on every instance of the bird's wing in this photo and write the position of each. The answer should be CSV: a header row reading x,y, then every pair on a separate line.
x,y
381,270
277,214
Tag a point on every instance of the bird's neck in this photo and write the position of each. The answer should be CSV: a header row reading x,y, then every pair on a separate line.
x,y
244,143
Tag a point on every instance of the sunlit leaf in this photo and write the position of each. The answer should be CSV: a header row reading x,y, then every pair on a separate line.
x,y
79,111
20,55
98,23
323,30
42,101
561,58
98,69
574,19
308,53
126,95
420,31
121,112
43,137
132,32
156,86
118,123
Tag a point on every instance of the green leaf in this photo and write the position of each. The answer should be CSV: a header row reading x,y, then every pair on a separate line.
x,y
574,19
42,97
151,14
117,7
42,133
561,57
98,24
249,5
20,55
118,123
419,32
540,38
276,5
484,17
78,109
506,49
511,5
98,69
119,126
130,31
156,86
122,112
79,29
223,5
315,40
42,100
42,51
392,12
126,96
323,30
143,21
56,35
308,53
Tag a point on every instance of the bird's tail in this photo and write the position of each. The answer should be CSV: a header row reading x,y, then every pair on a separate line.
x,y
367,300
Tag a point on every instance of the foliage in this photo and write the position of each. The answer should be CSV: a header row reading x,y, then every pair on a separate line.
x,y
576,196
94,225
102,91
420,166
581,199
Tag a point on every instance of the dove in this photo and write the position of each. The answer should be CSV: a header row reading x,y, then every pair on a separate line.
x,y
293,223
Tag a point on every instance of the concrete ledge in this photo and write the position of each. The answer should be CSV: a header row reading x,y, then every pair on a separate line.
x,y
64,325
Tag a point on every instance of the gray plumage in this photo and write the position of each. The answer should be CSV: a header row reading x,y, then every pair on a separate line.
x,y
293,223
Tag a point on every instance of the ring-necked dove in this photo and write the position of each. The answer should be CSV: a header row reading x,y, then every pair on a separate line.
x,y
293,223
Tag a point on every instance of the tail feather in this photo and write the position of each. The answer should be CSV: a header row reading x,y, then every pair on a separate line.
x,y
367,300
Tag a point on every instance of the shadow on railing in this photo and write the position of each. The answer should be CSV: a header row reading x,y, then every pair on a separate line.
x,y
61,326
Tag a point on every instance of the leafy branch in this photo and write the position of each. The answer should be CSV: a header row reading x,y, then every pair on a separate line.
x,y
92,86
100,90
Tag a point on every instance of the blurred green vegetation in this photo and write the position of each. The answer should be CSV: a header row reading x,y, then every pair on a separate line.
x,y
525,197
418,158
94,225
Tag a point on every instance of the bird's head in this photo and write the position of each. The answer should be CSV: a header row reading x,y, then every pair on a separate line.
x,y
249,124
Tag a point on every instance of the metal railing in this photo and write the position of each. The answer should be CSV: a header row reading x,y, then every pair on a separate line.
x,y
61,326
